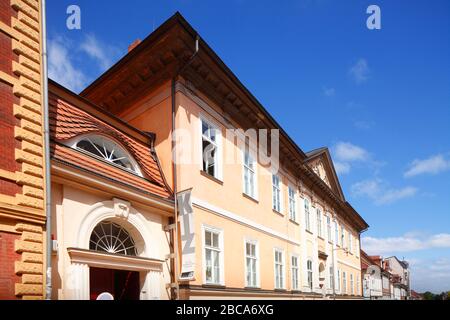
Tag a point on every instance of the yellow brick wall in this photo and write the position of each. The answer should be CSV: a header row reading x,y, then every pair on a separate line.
x,y
27,208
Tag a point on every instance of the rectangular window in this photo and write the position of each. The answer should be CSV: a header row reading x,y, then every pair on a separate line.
x,y
279,270
209,149
307,216
339,280
352,289
342,237
251,263
357,286
212,257
276,193
319,223
331,284
329,228
357,247
249,175
310,273
344,282
292,204
294,267
336,233
350,242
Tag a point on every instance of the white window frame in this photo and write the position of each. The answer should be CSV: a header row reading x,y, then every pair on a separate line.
x,y
256,244
331,277
72,143
283,269
342,237
319,222
358,285
352,285
310,273
350,242
344,282
254,171
329,236
221,254
292,199
295,285
218,169
338,280
336,232
307,209
278,208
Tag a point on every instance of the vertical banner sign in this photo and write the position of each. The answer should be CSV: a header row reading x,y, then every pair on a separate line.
x,y
186,219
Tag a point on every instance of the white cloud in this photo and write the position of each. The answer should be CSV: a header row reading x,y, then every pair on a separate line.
x,y
432,165
360,71
61,68
430,274
345,151
99,51
380,192
64,58
341,167
329,92
405,243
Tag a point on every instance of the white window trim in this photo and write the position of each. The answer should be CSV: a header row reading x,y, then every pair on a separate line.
x,y
275,269
344,282
291,187
319,222
221,255
312,273
72,143
256,243
329,228
218,174
298,272
280,187
307,225
256,195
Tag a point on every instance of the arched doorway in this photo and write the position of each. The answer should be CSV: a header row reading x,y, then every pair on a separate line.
x,y
114,237
111,237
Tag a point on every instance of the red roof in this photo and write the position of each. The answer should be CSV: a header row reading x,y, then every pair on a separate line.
x,y
68,121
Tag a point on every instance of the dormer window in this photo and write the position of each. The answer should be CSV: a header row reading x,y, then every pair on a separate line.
x,y
108,150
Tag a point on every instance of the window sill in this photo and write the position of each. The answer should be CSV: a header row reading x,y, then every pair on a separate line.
x,y
207,175
250,197
321,238
252,288
213,285
294,222
279,290
310,232
278,212
330,242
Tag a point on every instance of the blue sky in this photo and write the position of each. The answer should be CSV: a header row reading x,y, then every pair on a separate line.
x,y
379,99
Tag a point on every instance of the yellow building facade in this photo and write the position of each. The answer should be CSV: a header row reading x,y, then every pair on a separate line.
x,y
255,232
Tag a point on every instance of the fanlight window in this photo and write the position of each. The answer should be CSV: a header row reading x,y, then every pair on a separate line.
x,y
109,151
112,238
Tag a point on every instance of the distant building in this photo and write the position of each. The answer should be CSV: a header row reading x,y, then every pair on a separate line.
x,y
401,282
371,274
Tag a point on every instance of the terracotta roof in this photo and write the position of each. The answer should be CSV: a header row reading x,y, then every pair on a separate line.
x,y
68,121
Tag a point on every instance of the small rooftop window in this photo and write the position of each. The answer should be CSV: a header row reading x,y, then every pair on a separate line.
x,y
107,150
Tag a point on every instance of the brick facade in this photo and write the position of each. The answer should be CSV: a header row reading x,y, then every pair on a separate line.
x,y
22,215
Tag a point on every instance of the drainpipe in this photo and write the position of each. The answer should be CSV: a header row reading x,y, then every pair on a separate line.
x,y
48,207
174,159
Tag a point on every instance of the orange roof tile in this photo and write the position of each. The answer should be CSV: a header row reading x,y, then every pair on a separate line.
x,y
68,121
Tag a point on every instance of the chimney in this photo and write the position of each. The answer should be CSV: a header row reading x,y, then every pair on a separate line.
x,y
134,44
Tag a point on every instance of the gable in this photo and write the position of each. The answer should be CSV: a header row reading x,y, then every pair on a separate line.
x,y
320,162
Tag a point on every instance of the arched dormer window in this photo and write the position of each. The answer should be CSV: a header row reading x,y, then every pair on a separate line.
x,y
108,150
